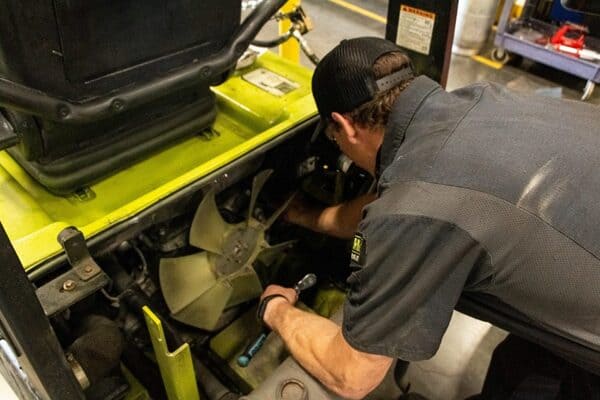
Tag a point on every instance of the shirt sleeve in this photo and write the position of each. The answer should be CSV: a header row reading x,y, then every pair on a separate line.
x,y
402,297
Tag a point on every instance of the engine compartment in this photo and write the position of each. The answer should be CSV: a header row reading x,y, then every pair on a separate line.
x,y
236,226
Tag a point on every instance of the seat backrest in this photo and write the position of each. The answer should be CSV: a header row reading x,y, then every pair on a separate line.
x,y
80,49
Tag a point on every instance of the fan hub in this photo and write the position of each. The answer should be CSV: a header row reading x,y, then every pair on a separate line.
x,y
239,249
198,288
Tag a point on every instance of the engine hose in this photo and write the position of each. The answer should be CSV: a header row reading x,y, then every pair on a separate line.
x,y
209,383
135,299
275,42
98,347
305,47
145,372
292,33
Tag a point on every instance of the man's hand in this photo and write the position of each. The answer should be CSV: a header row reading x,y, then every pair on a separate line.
x,y
290,294
319,346
290,297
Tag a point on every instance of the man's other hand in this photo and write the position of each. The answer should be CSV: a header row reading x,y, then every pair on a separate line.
x,y
301,213
340,220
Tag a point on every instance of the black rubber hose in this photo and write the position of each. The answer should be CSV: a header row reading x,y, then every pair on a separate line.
x,y
136,300
145,372
214,389
98,348
274,42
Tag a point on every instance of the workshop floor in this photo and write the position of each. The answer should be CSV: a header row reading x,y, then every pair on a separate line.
x,y
458,369
335,20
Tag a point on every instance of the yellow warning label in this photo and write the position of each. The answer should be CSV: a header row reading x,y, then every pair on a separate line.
x,y
417,11
415,29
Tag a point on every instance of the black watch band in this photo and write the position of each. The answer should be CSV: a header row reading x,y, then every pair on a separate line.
x,y
262,306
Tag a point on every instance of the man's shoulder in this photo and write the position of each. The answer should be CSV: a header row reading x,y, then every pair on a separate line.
x,y
393,193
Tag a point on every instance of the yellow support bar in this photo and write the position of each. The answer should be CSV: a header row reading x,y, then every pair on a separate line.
x,y
291,48
176,368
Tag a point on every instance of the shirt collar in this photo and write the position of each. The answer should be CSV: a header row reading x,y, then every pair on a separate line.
x,y
403,112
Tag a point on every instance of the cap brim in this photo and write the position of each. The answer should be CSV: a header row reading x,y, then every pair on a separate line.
x,y
318,130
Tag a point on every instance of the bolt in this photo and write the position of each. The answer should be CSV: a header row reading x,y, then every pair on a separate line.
x,y
205,71
118,105
69,285
237,250
89,269
63,111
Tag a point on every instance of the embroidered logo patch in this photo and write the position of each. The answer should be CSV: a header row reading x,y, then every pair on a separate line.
x,y
359,249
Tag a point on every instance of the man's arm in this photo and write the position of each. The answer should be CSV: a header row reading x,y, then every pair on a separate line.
x,y
319,346
340,220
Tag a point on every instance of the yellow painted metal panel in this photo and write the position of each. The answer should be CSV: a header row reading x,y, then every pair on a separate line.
x,y
136,390
176,368
247,118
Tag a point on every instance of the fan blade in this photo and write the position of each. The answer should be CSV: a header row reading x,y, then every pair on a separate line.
x,y
269,255
184,279
246,286
279,211
192,292
257,184
206,310
208,227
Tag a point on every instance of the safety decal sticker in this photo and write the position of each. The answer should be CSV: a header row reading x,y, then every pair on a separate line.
x,y
415,29
270,82
359,249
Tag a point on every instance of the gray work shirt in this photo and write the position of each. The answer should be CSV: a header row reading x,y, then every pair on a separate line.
x,y
486,192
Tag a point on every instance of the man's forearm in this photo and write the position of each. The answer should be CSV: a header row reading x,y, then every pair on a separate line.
x,y
340,220
295,327
317,344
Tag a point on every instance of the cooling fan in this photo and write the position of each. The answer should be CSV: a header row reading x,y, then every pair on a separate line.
x,y
199,287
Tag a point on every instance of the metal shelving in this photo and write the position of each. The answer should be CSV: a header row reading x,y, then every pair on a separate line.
x,y
518,37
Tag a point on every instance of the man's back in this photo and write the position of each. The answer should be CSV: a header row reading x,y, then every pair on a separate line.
x,y
516,175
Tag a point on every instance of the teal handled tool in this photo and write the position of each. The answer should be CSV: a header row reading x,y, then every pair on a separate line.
x,y
307,282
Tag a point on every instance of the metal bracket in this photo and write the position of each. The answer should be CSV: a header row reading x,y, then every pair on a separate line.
x,y
72,241
301,20
85,278
176,369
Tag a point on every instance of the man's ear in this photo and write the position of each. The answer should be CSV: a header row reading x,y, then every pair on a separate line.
x,y
345,125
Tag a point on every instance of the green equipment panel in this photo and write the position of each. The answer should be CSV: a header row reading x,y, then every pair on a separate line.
x,y
250,114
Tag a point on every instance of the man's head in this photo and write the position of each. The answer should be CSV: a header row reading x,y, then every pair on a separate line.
x,y
355,86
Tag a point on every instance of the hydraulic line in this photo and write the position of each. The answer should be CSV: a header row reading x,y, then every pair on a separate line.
x,y
135,299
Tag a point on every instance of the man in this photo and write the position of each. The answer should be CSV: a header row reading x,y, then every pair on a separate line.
x,y
481,193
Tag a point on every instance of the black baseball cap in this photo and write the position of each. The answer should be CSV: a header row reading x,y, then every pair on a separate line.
x,y
344,78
